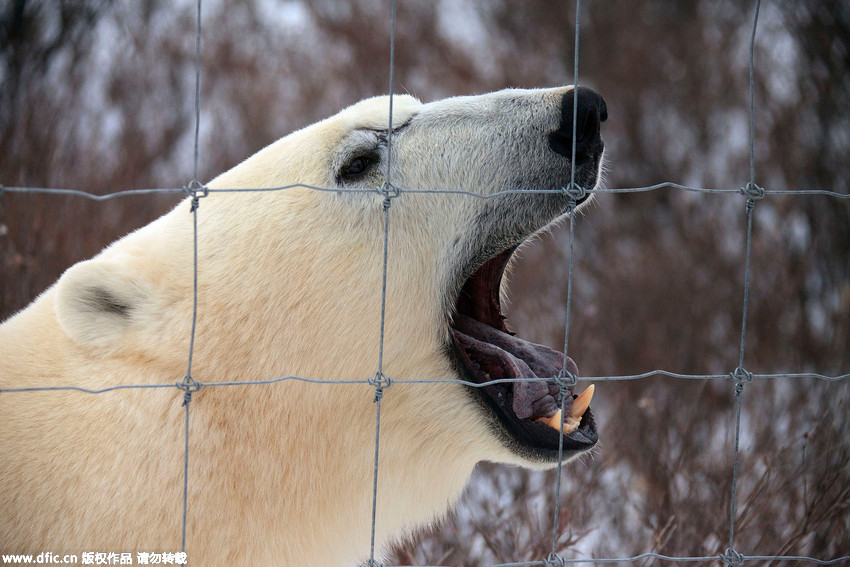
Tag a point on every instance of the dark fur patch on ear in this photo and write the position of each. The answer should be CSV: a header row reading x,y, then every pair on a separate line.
x,y
100,299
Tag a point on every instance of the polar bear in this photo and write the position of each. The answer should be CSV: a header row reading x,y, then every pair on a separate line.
x,y
289,283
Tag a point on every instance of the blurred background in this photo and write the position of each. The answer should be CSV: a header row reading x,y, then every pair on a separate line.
x,y
98,95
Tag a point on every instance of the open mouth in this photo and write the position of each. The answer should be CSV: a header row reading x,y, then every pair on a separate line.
x,y
528,410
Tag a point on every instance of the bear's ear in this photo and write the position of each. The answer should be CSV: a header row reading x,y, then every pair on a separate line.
x,y
97,301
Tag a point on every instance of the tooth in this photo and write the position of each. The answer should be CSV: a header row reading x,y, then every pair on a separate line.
x,y
570,423
554,421
581,403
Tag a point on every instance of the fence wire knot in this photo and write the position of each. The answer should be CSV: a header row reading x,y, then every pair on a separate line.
x,y
565,379
189,385
741,377
373,563
753,193
389,192
574,193
380,382
732,557
196,190
554,560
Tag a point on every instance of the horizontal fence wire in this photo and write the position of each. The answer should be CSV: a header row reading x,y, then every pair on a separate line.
x,y
467,383
400,189
379,381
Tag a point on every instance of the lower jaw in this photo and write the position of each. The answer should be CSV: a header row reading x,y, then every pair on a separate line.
x,y
526,443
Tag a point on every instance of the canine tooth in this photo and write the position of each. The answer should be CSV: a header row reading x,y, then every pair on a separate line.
x,y
554,421
581,403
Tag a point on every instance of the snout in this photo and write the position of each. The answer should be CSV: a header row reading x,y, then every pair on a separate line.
x,y
590,113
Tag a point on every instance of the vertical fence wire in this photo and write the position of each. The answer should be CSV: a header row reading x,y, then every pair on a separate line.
x,y
380,381
189,384
554,557
732,557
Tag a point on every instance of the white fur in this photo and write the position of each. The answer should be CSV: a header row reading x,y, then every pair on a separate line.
x,y
289,283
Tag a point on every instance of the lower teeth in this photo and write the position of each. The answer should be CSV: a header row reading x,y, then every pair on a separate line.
x,y
572,421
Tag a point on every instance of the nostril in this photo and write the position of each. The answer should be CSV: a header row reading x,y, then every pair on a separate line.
x,y
591,111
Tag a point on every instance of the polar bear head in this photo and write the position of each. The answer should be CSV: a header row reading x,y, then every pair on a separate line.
x,y
292,245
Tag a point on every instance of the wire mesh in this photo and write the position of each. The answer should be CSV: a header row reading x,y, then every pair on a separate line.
x,y
739,377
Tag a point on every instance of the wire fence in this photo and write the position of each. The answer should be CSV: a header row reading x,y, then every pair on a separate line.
x,y
739,377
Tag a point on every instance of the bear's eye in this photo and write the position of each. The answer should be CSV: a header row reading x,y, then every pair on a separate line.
x,y
357,166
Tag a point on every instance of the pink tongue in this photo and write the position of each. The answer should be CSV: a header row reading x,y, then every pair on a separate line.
x,y
501,355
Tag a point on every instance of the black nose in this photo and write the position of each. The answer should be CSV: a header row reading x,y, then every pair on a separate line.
x,y
591,111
